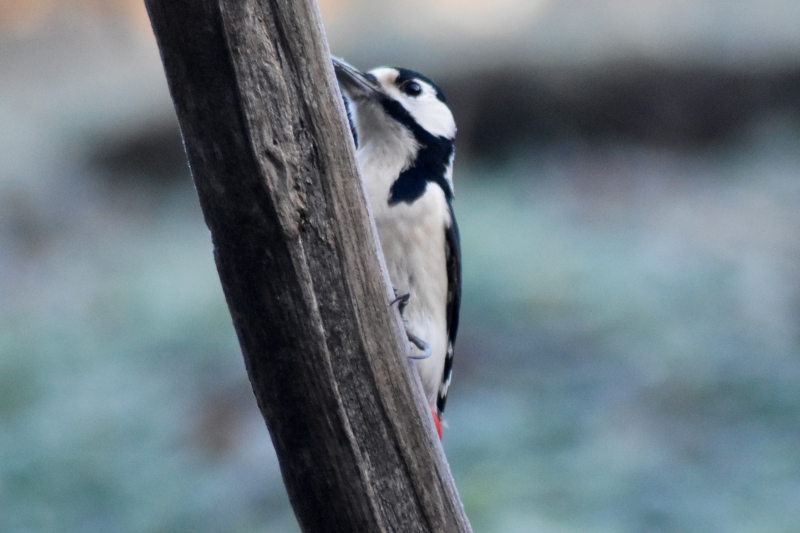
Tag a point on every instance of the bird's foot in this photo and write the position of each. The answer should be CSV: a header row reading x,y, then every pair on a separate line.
x,y
401,301
423,346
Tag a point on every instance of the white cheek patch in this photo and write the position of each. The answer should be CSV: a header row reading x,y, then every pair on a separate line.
x,y
429,112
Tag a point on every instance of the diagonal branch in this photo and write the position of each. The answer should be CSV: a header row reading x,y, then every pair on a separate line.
x,y
300,266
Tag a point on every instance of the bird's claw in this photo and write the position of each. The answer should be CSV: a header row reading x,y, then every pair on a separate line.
x,y
423,346
401,301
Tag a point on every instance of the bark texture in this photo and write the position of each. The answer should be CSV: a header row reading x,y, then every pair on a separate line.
x,y
274,166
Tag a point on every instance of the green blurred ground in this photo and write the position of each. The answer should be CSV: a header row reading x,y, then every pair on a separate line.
x,y
628,359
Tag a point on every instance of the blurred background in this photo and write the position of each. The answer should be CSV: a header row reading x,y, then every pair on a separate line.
x,y
628,191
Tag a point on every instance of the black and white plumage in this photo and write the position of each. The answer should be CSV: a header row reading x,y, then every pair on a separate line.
x,y
405,136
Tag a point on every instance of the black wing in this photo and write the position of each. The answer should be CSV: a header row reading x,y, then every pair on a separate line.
x,y
453,256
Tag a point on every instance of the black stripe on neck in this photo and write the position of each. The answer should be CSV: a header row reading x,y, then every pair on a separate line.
x,y
430,164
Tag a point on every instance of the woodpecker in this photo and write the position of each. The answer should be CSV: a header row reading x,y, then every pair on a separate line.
x,y
405,136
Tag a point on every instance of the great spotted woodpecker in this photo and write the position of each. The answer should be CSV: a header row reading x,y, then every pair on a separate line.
x,y
405,146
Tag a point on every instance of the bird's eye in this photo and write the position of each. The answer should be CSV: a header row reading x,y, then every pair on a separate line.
x,y
412,88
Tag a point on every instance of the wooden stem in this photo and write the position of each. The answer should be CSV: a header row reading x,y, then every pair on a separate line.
x,y
274,166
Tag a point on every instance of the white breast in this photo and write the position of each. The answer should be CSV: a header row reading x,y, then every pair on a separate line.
x,y
413,241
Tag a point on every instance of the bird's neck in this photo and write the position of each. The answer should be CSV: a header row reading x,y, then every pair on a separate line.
x,y
385,150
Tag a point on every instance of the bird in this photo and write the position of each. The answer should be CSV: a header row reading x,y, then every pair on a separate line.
x,y
405,145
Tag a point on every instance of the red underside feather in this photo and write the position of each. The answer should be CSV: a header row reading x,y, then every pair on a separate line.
x,y
436,421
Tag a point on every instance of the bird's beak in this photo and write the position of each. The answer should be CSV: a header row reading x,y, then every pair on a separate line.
x,y
355,84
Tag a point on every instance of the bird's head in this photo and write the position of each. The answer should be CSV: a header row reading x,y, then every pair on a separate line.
x,y
404,95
